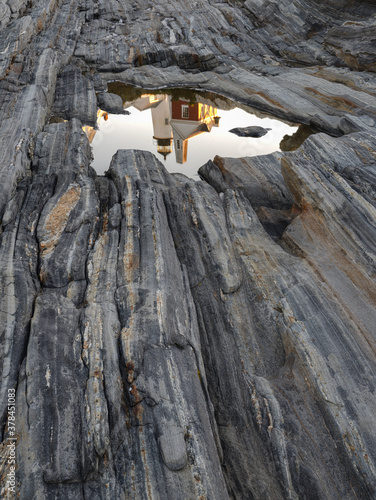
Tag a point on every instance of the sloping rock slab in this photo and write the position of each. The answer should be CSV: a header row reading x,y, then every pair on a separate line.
x,y
252,131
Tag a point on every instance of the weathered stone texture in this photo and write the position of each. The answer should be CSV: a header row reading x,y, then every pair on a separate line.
x,y
111,103
75,97
181,340
354,43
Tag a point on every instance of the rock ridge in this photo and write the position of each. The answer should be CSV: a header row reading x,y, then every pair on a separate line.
x,y
173,339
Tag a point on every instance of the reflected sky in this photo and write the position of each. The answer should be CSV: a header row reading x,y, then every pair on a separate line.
x,y
201,133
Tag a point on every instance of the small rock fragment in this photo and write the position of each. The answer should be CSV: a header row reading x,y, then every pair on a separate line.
x,y
252,131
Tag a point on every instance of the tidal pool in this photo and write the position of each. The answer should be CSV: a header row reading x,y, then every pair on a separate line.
x,y
183,128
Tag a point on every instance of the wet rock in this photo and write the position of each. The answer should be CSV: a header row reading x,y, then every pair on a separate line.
x,y
251,131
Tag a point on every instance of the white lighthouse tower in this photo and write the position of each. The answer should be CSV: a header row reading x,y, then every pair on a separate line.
x,y
161,115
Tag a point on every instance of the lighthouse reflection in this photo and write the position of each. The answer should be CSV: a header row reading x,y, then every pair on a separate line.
x,y
175,122
165,121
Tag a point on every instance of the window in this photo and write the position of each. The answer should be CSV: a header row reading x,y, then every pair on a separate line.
x,y
166,121
178,144
184,111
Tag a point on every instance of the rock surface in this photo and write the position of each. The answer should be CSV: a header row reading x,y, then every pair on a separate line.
x,y
179,340
111,103
251,131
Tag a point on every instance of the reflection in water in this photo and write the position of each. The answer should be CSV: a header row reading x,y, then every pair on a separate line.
x,y
91,131
176,121
294,141
176,118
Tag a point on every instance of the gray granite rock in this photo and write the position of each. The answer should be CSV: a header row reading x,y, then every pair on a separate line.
x,y
4,13
75,97
353,43
17,5
172,339
111,103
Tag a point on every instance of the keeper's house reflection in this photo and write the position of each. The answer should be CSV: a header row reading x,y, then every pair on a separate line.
x,y
176,121
189,120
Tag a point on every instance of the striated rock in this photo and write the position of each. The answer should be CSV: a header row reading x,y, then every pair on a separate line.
x,y
111,103
353,43
75,97
259,178
172,339
5,13
17,5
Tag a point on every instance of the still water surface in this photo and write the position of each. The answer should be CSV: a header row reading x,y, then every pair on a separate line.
x,y
184,129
